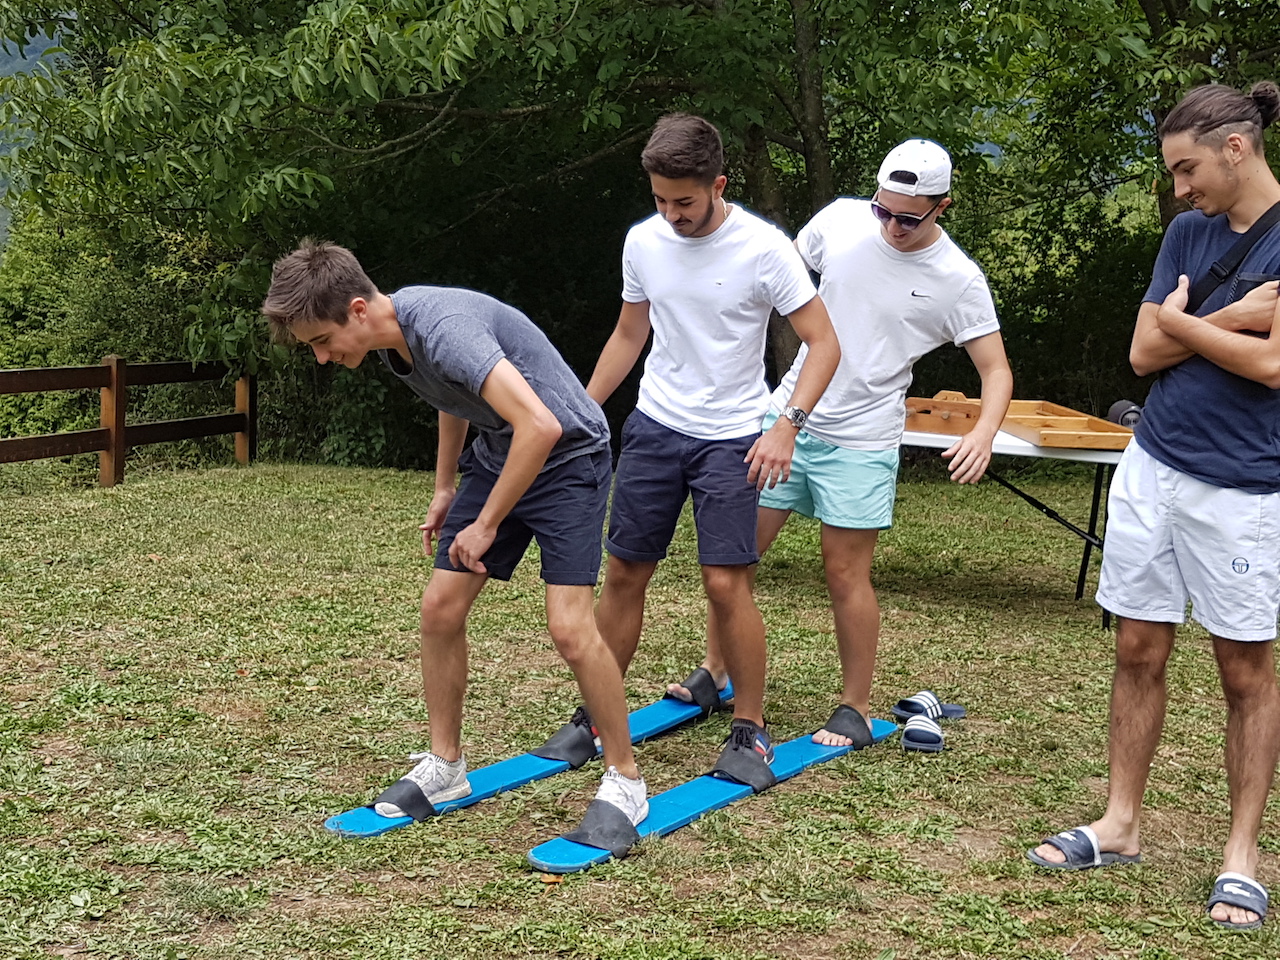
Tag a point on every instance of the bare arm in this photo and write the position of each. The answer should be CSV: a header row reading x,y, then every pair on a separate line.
x,y
1253,358
971,454
812,324
452,435
770,456
1154,348
534,432
621,352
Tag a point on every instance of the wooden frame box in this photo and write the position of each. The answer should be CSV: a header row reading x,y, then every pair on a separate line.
x,y
1037,421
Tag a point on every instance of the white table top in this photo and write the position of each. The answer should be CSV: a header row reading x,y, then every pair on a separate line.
x,y
1007,443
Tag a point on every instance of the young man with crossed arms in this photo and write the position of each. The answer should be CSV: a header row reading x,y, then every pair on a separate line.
x,y
1194,508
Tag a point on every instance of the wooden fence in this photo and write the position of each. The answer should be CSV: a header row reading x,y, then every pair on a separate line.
x,y
113,438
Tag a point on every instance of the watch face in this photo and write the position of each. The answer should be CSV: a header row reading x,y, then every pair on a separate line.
x,y
797,416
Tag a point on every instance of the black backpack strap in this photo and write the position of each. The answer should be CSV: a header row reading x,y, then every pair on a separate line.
x,y
1221,269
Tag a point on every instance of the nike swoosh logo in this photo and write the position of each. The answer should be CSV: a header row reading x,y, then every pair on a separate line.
x,y
924,296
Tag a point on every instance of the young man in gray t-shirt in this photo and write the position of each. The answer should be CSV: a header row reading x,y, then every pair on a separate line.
x,y
539,469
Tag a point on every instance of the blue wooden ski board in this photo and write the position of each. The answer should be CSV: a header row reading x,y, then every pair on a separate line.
x,y
659,717
682,804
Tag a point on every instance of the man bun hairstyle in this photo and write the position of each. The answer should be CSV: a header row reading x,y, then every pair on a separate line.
x,y
316,282
1213,112
684,146
1266,95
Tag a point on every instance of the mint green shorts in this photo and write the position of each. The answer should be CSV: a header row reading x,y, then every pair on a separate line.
x,y
850,489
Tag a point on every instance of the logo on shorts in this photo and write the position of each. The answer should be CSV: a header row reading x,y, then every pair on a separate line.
x,y
1240,565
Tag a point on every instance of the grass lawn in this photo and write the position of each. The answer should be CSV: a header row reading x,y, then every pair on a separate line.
x,y
197,668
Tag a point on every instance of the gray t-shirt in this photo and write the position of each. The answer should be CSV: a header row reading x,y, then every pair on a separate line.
x,y
456,337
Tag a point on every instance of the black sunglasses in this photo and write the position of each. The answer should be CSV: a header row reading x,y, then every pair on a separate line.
x,y
907,221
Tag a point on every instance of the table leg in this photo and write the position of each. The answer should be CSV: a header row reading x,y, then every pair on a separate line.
x,y
1093,530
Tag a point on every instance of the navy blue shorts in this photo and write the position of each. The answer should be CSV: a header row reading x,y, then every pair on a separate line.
x,y
563,509
658,469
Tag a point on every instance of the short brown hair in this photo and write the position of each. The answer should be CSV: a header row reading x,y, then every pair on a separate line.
x,y
684,146
1212,112
316,282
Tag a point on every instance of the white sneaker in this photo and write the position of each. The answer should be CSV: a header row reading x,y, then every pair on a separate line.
x,y
629,796
438,779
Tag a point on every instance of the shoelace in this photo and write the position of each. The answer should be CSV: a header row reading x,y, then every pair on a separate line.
x,y
742,735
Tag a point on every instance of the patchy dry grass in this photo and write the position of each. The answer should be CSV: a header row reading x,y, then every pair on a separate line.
x,y
198,668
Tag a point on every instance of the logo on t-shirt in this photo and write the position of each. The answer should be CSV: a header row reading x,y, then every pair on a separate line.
x,y
923,295
1240,565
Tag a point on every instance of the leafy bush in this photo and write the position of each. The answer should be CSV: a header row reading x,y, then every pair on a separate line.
x,y
71,293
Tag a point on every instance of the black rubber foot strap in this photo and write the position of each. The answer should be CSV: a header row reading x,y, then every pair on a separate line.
x,y
743,765
573,744
702,685
606,827
408,796
848,722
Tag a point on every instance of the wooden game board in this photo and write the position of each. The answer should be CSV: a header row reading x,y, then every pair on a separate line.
x,y
1036,421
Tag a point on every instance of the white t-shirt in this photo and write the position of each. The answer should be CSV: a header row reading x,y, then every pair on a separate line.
x,y
889,309
710,299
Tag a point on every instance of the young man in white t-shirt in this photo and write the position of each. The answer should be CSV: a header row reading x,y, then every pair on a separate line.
x,y
704,276
897,287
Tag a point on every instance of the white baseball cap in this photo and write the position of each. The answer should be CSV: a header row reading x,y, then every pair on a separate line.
x,y
916,168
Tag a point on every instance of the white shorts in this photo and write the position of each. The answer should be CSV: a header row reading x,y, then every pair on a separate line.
x,y
1172,538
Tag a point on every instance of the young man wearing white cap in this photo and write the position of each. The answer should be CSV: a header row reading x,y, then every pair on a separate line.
x,y
896,287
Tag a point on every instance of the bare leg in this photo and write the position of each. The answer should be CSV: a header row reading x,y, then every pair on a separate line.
x,y
768,525
620,610
846,556
1138,697
1253,743
573,629
445,605
742,635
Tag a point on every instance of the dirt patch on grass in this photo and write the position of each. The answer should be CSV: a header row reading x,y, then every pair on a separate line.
x,y
52,750
821,946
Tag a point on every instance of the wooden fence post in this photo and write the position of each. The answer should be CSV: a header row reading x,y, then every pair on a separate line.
x,y
247,403
114,403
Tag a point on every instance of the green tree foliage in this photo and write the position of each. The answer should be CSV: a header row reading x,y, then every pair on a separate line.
x,y
493,143
70,295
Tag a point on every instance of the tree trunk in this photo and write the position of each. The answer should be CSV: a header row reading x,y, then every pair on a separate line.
x,y
813,117
1169,205
766,196
762,179
1160,14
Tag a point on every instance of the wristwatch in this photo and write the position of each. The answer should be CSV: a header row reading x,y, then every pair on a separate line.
x,y
797,417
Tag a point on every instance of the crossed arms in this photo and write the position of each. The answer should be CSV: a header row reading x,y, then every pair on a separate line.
x,y
1166,335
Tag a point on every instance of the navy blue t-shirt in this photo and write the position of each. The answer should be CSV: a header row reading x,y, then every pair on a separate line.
x,y
1199,419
